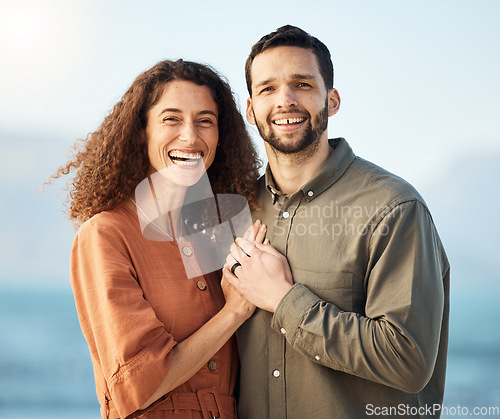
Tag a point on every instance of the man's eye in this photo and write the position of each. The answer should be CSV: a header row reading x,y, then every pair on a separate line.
x,y
267,89
304,84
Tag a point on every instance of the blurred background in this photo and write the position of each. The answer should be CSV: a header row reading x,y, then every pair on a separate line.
x,y
420,93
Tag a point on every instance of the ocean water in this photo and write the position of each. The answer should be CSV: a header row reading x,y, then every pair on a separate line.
x,y
45,368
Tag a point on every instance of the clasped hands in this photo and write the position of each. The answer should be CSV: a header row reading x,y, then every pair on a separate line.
x,y
261,274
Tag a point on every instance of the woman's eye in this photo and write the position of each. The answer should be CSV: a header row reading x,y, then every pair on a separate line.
x,y
206,122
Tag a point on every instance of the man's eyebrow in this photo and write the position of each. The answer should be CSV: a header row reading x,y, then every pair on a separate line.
x,y
264,82
296,76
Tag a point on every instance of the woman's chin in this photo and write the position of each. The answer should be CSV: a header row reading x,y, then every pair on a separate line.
x,y
183,175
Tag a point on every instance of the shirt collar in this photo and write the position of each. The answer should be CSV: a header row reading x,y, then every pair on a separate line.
x,y
333,169
270,185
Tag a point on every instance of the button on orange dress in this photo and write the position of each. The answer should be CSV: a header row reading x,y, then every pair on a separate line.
x,y
135,302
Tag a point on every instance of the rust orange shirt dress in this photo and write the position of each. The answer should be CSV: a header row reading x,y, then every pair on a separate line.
x,y
135,302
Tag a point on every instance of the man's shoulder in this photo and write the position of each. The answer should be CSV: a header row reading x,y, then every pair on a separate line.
x,y
373,178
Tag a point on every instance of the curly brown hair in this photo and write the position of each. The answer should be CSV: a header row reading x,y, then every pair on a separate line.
x,y
110,162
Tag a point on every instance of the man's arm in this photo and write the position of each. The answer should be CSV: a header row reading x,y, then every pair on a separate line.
x,y
395,341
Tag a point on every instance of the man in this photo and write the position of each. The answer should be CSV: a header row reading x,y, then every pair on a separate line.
x,y
356,323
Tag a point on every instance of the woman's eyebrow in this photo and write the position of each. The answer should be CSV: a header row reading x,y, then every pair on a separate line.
x,y
207,112
169,110
175,110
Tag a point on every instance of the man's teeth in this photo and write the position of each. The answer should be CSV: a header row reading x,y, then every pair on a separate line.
x,y
185,159
289,121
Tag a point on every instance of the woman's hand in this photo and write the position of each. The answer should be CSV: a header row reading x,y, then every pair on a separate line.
x,y
235,302
256,233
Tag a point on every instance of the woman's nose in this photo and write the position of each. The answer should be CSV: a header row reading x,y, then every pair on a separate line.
x,y
188,133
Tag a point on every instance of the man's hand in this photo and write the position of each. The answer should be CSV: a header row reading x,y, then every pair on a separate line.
x,y
264,276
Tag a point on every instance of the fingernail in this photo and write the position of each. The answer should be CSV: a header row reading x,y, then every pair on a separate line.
x,y
262,227
257,223
266,241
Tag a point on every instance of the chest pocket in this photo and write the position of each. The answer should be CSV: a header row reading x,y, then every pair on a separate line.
x,y
342,289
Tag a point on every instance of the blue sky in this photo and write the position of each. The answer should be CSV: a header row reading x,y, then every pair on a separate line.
x,y
418,83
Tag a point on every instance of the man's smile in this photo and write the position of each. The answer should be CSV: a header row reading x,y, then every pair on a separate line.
x,y
288,123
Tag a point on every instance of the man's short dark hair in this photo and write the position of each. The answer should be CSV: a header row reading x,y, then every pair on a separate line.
x,y
292,36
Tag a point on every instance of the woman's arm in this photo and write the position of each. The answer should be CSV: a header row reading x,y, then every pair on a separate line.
x,y
191,354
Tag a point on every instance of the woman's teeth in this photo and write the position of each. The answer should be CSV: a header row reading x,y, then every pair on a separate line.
x,y
185,159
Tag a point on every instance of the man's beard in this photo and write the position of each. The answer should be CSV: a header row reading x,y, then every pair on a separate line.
x,y
307,144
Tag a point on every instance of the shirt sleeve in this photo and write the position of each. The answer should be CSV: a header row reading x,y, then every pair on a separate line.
x,y
395,341
127,343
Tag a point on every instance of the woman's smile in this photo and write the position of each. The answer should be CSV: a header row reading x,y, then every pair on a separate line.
x,y
185,158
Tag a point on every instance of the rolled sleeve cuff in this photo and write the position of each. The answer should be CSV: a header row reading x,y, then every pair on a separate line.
x,y
135,382
291,310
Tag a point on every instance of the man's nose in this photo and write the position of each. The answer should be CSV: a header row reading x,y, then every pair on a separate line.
x,y
286,97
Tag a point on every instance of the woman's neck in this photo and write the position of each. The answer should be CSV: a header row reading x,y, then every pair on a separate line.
x,y
158,201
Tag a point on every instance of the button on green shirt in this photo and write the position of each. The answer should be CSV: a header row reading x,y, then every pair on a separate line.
x,y
364,330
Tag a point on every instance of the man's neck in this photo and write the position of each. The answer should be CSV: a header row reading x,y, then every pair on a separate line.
x,y
291,172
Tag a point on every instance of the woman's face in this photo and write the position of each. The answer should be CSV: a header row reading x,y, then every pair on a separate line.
x,y
182,132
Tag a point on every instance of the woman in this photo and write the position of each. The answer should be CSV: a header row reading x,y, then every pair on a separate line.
x,y
160,341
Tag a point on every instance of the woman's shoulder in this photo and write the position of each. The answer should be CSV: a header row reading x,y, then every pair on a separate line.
x,y
117,221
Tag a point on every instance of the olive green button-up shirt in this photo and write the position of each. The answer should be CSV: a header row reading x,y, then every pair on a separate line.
x,y
364,329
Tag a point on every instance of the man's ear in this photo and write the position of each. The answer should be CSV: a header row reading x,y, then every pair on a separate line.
x,y
333,102
249,113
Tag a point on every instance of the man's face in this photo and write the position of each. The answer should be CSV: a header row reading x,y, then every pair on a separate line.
x,y
290,104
